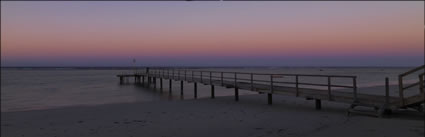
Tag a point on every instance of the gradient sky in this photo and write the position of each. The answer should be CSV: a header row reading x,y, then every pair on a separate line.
x,y
282,33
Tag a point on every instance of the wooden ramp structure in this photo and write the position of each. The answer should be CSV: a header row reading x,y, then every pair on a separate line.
x,y
271,84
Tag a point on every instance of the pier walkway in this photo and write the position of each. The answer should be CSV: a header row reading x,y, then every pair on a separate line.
x,y
272,84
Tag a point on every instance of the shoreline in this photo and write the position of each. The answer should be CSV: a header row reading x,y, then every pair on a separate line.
x,y
222,116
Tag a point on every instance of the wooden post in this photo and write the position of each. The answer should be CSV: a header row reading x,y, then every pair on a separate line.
x,y
252,82
355,89
296,86
193,76
421,83
160,84
269,98
178,74
149,81
121,80
269,95
171,85
318,104
195,90
387,91
181,87
222,82
271,83
212,91
329,88
143,80
201,76
400,86
236,80
185,74
210,78
236,94
154,83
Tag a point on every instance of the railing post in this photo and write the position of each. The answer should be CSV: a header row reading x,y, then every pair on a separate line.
x,y
400,86
269,95
185,74
421,83
387,91
170,85
236,88
160,84
271,83
329,88
355,89
192,75
210,78
201,76
178,74
296,86
252,81
236,81
222,82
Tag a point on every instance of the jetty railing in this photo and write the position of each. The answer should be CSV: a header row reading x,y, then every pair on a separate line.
x,y
403,88
273,80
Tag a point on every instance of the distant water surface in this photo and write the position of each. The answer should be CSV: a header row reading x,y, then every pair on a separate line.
x,y
29,89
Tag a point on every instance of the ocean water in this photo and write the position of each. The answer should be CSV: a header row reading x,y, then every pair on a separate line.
x,y
46,88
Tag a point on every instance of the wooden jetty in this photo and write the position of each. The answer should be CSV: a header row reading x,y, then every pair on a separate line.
x,y
271,84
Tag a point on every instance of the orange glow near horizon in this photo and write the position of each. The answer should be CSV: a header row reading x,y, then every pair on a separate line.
x,y
324,28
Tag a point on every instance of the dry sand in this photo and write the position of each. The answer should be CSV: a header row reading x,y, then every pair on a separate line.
x,y
219,117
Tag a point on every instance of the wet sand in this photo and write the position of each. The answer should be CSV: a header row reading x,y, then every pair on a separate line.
x,y
222,116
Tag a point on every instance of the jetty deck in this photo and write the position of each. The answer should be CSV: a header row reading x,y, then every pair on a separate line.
x,y
271,84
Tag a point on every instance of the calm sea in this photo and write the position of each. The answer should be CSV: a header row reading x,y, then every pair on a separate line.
x,y
45,88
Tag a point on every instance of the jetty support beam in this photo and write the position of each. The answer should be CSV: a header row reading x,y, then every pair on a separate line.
x,y
160,84
181,87
212,91
195,85
236,94
171,85
318,104
269,98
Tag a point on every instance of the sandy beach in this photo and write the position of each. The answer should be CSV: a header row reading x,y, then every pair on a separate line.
x,y
222,116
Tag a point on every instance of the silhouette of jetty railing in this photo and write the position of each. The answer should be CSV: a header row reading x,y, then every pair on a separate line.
x,y
402,88
270,84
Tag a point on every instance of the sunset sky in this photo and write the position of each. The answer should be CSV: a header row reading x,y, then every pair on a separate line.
x,y
282,33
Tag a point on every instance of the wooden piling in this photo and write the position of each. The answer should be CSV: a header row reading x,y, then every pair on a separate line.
x,y
171,85
195,90
212,91
318,104
181,87
154,83
236,94
329,88
160,84
387,91
296,86
269,98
